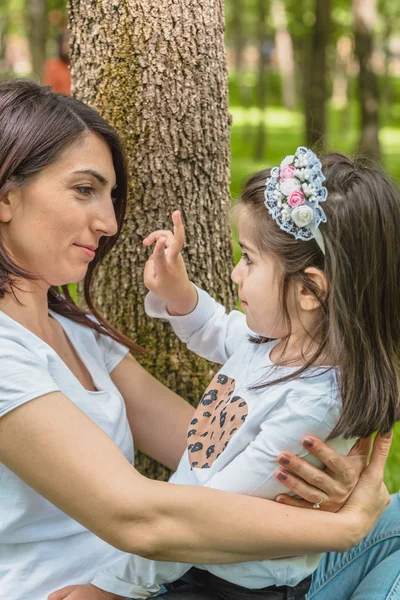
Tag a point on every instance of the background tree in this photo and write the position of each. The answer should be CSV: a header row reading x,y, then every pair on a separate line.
x,y
284,53
264,49
316,84
156,70
36,27
364,13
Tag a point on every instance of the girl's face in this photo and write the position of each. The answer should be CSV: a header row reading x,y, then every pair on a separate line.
x,y
258,277
52,225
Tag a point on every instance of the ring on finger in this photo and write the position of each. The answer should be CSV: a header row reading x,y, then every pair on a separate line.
x,y
318,504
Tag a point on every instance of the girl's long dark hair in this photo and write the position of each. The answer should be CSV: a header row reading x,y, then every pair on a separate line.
x,y
36,125
359,323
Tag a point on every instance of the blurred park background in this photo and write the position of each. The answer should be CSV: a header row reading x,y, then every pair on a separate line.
x,y
325,73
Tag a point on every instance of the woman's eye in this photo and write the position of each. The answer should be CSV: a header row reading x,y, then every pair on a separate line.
x,y
85,190
246,258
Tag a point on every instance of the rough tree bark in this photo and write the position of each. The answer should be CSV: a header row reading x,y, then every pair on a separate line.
x,y
315,88
156,70
364,15
36,25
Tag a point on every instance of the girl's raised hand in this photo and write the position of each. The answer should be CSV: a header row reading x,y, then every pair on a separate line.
x,y
165,273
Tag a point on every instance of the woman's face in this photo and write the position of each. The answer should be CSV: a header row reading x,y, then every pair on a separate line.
x,y
52,225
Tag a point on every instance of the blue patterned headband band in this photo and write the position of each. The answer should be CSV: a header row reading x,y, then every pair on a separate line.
x,y
293,194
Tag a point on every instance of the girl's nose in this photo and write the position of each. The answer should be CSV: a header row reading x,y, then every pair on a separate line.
x,y
235,275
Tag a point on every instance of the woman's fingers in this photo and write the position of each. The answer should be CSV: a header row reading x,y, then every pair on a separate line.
x,y
335,485
380,452
301,488
290,501
341,467
307,477
362,448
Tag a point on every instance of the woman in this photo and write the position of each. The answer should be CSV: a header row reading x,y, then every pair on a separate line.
x,y
71,398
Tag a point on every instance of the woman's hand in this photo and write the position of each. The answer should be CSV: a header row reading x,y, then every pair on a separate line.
x,y
370,497
165,273
333,486
82,592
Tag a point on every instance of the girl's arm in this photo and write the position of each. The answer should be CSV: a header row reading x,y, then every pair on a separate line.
x,y
52,446
197,319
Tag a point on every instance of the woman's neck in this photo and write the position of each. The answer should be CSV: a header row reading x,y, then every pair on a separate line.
x,y
28,306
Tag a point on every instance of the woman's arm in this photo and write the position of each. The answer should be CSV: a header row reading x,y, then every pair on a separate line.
x,y
51,445
90,592
157,417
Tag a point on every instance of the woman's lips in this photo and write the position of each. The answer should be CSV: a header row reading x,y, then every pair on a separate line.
x,y
87,251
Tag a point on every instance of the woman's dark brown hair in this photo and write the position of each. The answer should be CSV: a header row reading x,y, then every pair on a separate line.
x,y
359,326
36,126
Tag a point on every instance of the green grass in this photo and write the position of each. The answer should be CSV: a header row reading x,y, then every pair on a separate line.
x,y
284,134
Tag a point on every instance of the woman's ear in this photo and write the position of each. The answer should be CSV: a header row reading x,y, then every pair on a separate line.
x,y
7,202
308,300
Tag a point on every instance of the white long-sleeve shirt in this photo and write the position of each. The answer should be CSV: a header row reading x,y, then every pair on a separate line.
x,y
235,437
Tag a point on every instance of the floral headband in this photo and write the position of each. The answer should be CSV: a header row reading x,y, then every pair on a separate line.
x,y
293,194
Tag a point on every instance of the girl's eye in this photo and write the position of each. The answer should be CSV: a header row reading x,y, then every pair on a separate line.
x,y
246,258
85,190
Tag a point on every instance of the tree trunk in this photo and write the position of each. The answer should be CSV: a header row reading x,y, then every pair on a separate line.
x,y
284,54
156,70
388,94
261,88
239,40
364,14
36,25
340,91
316,88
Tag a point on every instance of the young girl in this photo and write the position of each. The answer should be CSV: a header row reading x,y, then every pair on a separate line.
x,y
316,352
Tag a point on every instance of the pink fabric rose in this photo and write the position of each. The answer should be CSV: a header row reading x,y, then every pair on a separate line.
x,y
296,198
287,172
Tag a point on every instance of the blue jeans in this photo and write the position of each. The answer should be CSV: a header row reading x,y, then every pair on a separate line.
x,y
370,571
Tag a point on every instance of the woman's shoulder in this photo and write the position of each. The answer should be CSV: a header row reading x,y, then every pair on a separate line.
x,y
16,337
24,373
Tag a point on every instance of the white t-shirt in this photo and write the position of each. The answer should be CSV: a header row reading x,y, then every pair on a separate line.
x,y
42,548
234,439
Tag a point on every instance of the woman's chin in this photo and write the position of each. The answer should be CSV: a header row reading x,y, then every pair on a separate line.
x,y
71,279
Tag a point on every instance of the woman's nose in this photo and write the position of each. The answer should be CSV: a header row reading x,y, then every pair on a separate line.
x,y
106,220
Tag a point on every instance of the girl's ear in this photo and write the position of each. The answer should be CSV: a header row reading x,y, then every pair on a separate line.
x,y
307,299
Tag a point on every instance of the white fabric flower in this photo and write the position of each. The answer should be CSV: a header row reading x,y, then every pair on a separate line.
x,y
287,161
288,186
302,216
309,189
